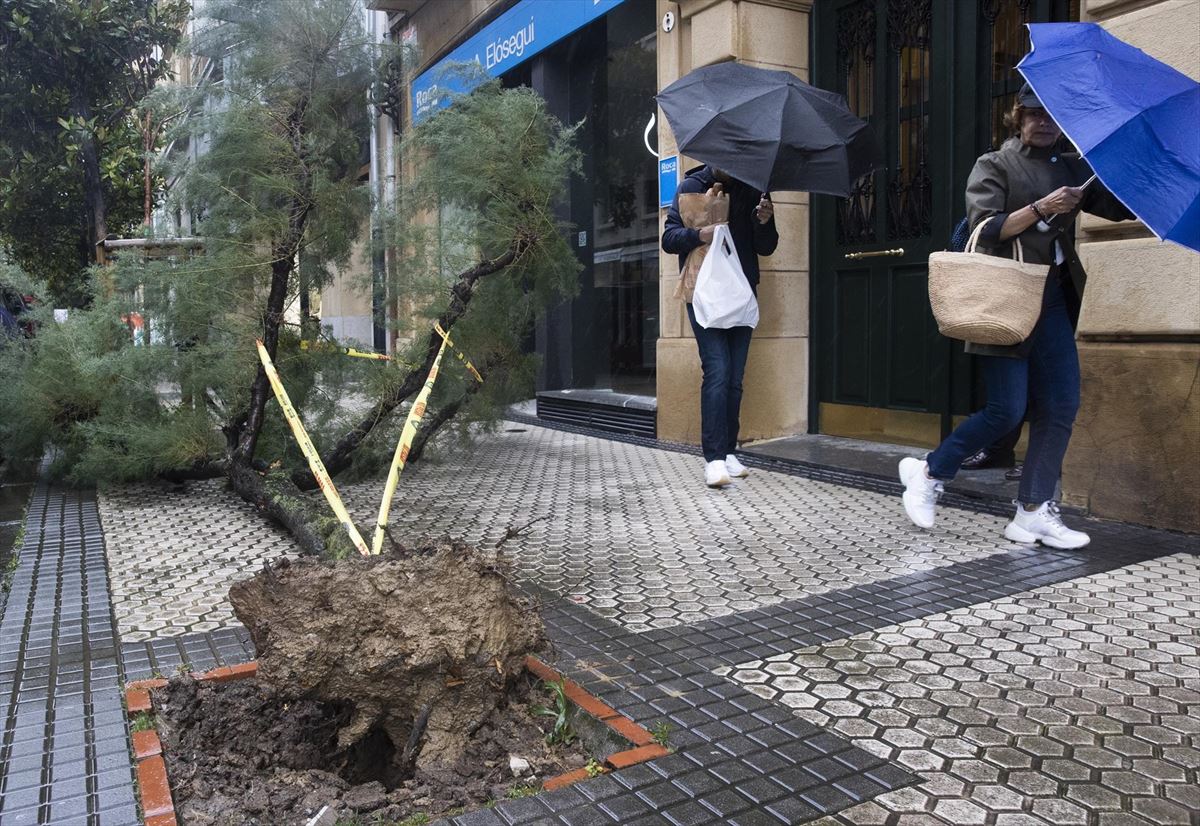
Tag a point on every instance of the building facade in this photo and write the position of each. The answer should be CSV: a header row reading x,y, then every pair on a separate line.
x,y
847,345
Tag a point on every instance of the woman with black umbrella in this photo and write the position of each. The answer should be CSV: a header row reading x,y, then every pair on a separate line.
x,y
758,130
723,352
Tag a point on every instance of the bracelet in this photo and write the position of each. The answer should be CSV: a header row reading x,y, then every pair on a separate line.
x,y
1036,211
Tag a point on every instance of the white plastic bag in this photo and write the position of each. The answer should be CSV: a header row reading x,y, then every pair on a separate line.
x,y
723,297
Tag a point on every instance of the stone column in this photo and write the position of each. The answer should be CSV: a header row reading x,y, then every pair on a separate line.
x,y
772,34
1135,454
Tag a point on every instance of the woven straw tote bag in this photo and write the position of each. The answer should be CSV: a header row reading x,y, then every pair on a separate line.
x,y
985,299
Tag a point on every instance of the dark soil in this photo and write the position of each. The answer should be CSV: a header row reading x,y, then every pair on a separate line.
x,y
240,754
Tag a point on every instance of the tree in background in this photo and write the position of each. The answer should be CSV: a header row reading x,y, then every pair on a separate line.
x,y
72,75
478,248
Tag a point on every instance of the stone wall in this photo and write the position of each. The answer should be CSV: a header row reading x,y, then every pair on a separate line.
x,y
1135,455
771,34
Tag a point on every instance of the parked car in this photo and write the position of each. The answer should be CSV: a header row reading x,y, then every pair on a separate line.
x,y
14,305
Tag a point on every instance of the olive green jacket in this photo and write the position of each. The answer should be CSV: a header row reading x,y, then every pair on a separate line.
x,y
1015,176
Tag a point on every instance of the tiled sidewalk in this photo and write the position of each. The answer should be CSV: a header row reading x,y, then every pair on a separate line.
x,y
663,597
201,541
64,753
626,530
1075,703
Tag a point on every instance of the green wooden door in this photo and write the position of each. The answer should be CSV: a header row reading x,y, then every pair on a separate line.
x,y
933,79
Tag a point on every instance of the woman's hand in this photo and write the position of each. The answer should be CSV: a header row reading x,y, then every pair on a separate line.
x,y
1062,200
706,234
765,209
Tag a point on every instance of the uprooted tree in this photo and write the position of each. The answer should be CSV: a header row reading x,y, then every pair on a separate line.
x,y
281,127
269,166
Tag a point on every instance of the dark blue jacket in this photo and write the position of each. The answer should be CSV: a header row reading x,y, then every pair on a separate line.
x,y
750,237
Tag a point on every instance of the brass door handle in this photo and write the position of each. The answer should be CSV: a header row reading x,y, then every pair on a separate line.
x,y
896,253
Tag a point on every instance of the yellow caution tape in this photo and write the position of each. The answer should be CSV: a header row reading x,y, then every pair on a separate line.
x,y
437,327
415,414
362,354
310,453
348,351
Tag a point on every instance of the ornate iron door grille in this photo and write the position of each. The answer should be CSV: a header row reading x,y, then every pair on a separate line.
x,y
910,192
856,77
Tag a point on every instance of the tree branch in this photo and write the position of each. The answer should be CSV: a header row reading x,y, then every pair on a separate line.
x,y
339,458
432,424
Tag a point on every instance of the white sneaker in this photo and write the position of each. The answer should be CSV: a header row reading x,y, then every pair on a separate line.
x,y
1044,525
920,492
736,469
716,475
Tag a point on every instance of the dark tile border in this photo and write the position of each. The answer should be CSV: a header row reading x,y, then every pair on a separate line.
x,y
738,757
197,651
835,615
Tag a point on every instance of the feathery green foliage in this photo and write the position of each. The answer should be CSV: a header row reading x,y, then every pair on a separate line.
x,y
275,194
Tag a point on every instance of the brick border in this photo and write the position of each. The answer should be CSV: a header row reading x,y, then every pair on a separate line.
x,y
644,747
154,789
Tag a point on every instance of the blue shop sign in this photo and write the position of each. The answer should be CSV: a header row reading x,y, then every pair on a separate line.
x,y
668,180
515,36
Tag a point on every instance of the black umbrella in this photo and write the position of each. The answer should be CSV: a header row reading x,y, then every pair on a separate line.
x,y
768,128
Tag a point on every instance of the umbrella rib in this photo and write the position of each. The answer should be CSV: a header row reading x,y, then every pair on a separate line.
x,y
1066,57
1139,114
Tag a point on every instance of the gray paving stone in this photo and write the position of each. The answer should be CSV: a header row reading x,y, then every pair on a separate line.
x,y
777,537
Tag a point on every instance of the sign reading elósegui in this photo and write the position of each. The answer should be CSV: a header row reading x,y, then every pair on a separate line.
x,y
515,36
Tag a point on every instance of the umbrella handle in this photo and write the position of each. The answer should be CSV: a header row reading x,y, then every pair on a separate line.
x,y
1083,185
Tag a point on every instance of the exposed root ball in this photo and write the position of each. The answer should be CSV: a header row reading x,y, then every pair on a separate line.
x,y
422,646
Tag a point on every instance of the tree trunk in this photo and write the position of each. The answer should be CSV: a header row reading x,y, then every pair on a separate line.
x,y
283,261
339,458
276,497
147,146
260,391
93,185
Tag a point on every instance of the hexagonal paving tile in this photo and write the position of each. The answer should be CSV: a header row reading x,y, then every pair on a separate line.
x,y
649,550
1103,736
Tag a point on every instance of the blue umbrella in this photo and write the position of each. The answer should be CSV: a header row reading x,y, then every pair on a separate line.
x,y
1135,119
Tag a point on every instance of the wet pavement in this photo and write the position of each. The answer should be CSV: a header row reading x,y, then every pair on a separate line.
x,y
817,658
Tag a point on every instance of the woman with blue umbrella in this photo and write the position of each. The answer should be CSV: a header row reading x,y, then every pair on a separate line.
x,y
1031,190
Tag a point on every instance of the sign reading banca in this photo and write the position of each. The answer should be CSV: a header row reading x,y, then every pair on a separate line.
x,y
515,36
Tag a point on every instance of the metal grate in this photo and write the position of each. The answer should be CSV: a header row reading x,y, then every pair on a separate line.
x,y
597,415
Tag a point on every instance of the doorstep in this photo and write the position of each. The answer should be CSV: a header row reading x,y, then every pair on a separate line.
x,y
875,459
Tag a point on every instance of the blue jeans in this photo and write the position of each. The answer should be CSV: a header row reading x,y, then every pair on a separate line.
x,y
723,359
1048,380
